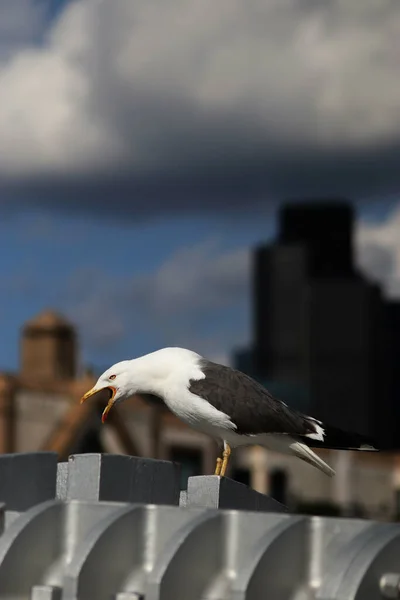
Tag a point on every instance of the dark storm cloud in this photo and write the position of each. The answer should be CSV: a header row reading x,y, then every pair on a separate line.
x,y
139,108
363,179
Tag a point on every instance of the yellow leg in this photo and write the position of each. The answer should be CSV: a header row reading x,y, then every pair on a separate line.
x,y
218,466
226,454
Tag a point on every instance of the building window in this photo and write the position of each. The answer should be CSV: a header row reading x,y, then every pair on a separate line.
x,y
191,461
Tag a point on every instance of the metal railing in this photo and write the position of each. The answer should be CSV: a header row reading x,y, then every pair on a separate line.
x,y
107,527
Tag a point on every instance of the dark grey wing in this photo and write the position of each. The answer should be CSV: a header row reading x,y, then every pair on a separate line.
x,y
249,405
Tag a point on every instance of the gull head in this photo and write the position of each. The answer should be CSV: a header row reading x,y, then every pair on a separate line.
x,y
114,385
148,376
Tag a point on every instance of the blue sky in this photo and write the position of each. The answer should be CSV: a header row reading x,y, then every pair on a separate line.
x,y
44,255
51,260
144,159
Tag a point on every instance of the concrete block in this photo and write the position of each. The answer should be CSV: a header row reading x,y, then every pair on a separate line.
x,y
26,479
212,491
62,481
119,478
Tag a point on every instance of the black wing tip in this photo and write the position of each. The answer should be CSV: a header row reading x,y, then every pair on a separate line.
x,y
339,439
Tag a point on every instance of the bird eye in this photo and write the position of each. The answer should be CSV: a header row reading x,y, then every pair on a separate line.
x,y
112,377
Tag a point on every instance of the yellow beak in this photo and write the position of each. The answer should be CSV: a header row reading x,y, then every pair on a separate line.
x,y
111,399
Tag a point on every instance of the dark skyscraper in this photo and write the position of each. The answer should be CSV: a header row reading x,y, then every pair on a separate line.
x,y
320,326
326,230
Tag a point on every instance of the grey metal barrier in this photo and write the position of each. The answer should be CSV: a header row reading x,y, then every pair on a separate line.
x,y
106,527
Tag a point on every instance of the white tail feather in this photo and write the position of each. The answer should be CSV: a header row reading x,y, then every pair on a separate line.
x,y
305,453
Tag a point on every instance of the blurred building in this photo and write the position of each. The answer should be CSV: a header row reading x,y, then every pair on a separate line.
x,y
38,404
40,409
324,336
325,340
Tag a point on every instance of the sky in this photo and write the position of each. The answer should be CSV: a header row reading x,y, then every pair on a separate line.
x,y
146,146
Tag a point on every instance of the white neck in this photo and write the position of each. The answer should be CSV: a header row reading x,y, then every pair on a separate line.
x,y
162,371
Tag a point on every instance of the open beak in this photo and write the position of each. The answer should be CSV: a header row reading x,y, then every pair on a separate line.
x,y
108,393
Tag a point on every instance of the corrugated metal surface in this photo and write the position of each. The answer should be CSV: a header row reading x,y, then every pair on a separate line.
x,y
106,527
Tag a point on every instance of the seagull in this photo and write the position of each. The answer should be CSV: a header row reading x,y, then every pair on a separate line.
x,y
223,403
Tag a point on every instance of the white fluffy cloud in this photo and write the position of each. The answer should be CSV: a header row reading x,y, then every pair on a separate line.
x,y
284,94
378,251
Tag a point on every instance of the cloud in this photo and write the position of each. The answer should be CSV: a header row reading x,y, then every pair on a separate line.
x,y
147,106
198,277
378,251
22,24
195,298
